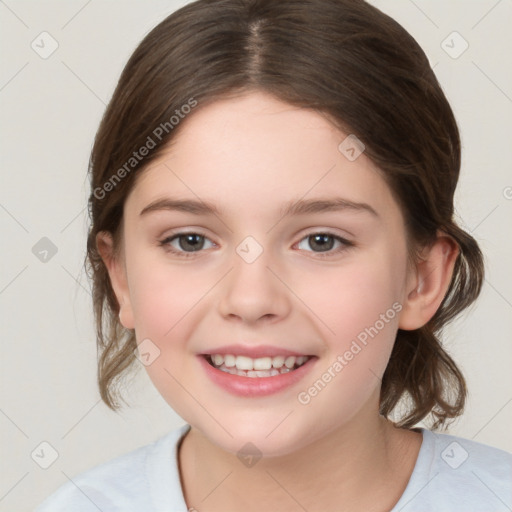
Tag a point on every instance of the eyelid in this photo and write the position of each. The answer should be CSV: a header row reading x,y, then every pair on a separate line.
x,y
345,243
165,242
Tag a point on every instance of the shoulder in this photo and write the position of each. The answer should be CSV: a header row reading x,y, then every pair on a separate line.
x,y
453,473
124,483
457,457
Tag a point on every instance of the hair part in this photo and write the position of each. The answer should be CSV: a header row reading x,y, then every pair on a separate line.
x,y
344,59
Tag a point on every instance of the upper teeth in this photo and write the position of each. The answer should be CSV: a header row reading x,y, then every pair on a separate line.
x,y
261,363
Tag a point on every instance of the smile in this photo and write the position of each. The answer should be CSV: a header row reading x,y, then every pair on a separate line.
x,y
245,376
244,366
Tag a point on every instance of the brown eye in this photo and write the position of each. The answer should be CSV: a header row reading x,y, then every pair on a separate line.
x,y
190,242
324,243
183,244
321,242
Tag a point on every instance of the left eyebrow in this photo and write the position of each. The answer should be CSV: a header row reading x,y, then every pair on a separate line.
x,y
300,207
303,206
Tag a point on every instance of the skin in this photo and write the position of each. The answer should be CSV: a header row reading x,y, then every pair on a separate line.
x,y
249,155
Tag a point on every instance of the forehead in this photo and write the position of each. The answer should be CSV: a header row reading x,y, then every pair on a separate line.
x,y
255,152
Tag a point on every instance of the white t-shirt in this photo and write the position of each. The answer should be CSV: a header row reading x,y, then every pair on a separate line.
x,y
451,474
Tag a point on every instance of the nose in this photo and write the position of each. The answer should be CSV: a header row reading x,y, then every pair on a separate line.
x,y
254,292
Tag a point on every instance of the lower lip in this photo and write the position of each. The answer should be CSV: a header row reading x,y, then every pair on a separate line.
x,y
256,386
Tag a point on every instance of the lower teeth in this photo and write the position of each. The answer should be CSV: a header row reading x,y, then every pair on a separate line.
x,y
255,373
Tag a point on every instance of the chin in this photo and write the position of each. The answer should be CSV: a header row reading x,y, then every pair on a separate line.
x,y
254,436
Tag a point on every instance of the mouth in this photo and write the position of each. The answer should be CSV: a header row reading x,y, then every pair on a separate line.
x,y
270,371
261,367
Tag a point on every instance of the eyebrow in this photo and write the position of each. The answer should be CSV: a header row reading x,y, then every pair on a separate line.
x,y
299,207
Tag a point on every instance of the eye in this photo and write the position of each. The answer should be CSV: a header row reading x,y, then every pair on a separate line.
x,y
182,244
185,244
324,243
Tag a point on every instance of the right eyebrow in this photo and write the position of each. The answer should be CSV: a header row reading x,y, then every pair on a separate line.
x,y
181,205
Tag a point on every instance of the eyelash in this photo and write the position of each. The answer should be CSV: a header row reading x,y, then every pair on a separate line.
x,y
165,243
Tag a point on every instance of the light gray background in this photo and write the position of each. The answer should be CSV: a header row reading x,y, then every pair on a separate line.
x,y
51,109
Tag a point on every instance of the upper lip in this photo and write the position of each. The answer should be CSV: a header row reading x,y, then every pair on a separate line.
x,y
253,351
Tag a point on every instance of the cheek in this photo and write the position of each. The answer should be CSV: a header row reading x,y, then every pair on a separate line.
x,y
361,322
162,295
354,297
165,302
359,307
168,303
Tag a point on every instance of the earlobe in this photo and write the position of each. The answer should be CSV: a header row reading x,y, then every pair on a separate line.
x,y
428,283
117,274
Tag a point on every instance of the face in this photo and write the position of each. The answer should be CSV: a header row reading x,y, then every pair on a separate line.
x,y
304,254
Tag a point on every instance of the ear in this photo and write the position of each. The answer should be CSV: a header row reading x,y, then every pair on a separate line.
x,y
428,282
117,273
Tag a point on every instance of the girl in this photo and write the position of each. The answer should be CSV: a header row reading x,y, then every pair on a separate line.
x,y
272,237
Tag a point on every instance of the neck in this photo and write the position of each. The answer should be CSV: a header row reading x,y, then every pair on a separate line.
x,y
363,465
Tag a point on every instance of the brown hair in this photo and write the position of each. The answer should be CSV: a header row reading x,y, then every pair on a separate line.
x,y
348,61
